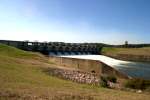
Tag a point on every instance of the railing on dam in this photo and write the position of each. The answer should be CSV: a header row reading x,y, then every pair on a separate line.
x,y
55,48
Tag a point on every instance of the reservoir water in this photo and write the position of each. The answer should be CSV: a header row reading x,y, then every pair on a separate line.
x,y
133,69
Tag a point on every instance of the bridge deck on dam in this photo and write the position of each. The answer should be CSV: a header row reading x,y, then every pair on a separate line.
x,y
55,48
133,69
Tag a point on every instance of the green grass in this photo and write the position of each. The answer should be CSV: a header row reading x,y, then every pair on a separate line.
x,y
22,77
9,51
14,52
109,49
132,51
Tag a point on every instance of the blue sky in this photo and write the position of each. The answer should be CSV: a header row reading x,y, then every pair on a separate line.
x,y
105,21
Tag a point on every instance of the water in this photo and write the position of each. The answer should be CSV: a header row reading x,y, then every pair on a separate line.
x,y
52,53
133,69
68,53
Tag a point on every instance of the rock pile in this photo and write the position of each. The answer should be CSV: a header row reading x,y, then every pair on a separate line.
x,y
76,76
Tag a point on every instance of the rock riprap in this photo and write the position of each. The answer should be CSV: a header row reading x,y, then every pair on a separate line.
x,y
75,75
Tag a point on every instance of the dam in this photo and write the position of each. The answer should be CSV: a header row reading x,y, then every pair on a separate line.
x,y
132,69
55,48
84,51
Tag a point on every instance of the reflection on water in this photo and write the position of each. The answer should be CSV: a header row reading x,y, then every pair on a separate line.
x,y
133,69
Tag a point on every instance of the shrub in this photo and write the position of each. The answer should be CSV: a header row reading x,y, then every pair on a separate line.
x,y
137,83
112,79
103,81
106,78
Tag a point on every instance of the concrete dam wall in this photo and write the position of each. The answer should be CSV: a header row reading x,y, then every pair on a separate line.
x,y
55,48
90,66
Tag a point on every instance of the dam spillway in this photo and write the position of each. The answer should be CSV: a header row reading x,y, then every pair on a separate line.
x,y
132,69
55,48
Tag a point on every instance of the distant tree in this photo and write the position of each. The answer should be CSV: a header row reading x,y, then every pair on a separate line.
x,y
126,43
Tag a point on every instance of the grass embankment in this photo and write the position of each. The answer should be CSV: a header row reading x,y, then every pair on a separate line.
x,y
129,51
129,54
22,77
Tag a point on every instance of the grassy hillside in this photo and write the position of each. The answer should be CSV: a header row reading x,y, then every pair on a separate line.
x,y
22,77
132,51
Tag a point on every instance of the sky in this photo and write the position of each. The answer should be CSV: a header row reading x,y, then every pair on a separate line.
x,y
78,21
